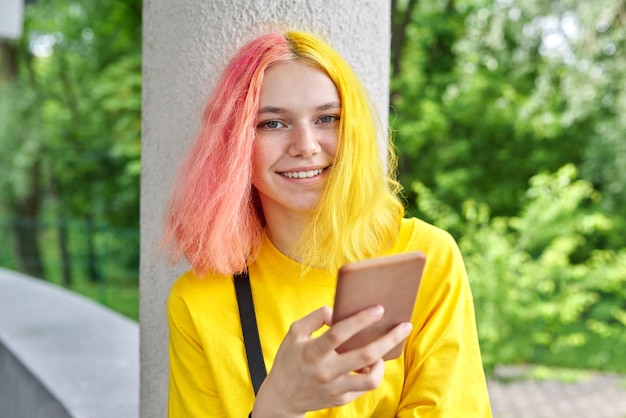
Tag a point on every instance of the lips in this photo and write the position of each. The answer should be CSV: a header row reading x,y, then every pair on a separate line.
x,y
305,174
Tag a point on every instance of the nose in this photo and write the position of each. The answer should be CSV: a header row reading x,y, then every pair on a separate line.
x,y
304,141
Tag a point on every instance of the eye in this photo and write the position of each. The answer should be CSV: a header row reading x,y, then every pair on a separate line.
x,y
270,124
328,119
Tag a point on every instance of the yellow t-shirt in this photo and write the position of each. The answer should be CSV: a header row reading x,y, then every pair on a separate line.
x,y
440,373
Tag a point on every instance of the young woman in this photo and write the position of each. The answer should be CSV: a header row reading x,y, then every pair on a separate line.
x,y
285,181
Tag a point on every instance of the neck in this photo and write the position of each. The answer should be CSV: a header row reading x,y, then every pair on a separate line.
x,y
285,231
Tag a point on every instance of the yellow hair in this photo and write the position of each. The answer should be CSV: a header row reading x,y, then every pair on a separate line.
x,y
359,213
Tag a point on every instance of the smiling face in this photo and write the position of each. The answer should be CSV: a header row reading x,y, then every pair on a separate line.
x,y
297,133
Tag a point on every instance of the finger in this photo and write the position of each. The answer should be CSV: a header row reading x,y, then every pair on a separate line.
x,y
343,330
361,358
322,349
307,325
355,384
364,370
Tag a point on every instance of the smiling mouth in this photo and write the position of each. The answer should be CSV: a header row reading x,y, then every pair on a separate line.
x,y
302,174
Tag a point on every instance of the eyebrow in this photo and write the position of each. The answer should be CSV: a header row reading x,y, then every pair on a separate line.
x,y
280,110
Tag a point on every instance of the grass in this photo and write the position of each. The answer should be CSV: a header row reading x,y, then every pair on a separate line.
x,y
118,292
117,284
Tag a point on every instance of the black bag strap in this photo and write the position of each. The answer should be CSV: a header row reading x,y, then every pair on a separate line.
x,y
251,339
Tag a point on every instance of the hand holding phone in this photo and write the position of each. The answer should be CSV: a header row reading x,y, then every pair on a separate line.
x,y
390,281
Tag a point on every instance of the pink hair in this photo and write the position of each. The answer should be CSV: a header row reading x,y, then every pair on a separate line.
x,y
213,218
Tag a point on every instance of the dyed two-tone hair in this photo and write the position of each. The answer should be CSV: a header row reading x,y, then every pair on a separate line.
x,y
214,217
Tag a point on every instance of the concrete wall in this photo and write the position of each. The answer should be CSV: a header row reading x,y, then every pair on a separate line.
x,y
185,45
62,355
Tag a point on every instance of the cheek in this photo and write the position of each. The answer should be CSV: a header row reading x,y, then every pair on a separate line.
x,y
334,148
260,160
266,152
331,145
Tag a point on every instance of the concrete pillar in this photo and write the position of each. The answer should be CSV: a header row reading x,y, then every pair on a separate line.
x,y
185,45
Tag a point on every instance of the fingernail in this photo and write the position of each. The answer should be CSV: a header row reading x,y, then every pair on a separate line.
x,y
376,311
407,327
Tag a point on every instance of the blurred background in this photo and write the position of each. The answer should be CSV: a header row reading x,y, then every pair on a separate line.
x,y
70,131
510,121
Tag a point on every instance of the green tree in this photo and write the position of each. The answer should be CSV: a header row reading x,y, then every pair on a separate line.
x,y
21,178
488,96
488,93
72,118
536,300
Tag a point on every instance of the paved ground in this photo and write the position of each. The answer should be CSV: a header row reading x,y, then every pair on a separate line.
x,y
556,395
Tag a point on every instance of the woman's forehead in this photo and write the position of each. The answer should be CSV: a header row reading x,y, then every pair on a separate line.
x,y
296,83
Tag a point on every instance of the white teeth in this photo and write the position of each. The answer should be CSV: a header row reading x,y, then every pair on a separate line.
x,y
302,174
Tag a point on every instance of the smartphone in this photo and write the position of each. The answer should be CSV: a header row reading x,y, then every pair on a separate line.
x,y
390,281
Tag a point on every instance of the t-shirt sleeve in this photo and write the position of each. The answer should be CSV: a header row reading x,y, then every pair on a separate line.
x,y
191,390
444,374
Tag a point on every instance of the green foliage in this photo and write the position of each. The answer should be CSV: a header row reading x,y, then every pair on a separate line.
x,y
70,114
542,295
490,93
24,141
74,107
117,263
488,96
